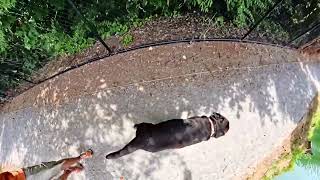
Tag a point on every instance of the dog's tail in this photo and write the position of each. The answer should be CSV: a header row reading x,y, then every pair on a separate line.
x,y
129,148
120,153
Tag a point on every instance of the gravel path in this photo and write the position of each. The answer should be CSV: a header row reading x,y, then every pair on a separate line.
x,y
262,90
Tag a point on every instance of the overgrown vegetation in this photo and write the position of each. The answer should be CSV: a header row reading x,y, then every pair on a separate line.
x,y
127,39
307,160
300,153
33,32
284,163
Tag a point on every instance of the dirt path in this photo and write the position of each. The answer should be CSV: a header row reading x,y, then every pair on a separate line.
x,y
264,91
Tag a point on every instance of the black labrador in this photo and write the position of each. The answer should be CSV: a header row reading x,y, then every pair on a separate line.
x,y
174,133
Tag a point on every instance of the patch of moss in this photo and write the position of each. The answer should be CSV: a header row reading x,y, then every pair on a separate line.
x,y
308,130
284,164
315,125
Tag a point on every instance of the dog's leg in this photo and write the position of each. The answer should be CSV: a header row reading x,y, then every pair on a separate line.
x,y
129,148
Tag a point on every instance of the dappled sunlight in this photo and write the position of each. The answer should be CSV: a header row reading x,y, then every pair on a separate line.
x,y
103,86
78,110
15,154
312,75
2,138
184,114
145,165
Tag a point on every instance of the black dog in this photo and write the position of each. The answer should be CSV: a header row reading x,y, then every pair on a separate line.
x,y
175,133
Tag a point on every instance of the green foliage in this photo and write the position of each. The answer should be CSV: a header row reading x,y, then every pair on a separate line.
x,y
5,5
298,156
314,132
3,42
108,28
219,20
273,31
277,167
127,39
39,30
204,5
244,12
312,162
53,44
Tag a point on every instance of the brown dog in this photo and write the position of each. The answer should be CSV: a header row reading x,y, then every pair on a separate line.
x,y
174,133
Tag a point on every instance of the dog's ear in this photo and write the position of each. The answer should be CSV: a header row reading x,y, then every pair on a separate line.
x,y
226,129
221,125
216,116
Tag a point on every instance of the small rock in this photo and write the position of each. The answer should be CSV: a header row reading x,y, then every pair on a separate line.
x,y
184,57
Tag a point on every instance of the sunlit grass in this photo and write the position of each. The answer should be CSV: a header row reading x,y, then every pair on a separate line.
x,y
298,155
314,133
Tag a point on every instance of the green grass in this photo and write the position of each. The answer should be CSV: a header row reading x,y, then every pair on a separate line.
x,y
127,39
276,168
314,132
297,154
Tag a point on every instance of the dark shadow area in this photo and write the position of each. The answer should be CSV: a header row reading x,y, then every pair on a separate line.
x,y
292,23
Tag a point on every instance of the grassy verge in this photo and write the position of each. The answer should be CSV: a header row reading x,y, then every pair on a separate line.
x,y
306,133
284,164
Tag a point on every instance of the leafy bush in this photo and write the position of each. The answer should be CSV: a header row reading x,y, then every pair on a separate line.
x,y
3,41
127,39
5,5
32,32
244,12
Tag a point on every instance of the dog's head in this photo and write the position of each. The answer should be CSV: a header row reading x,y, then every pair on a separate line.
x,y
220,123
